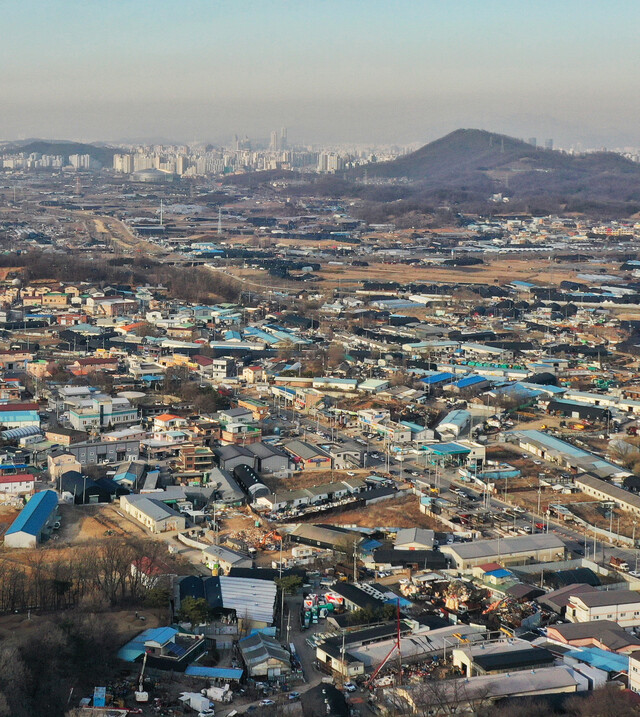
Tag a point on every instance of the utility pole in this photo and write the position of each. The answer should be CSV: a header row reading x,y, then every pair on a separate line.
x,y
355,563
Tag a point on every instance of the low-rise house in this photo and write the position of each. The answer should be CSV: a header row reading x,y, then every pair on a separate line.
x,y
194,459
168,422
308,456
218,558
604,634
17,484
253,374
65,436
263,656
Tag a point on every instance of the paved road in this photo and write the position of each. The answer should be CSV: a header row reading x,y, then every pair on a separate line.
x,y
306,654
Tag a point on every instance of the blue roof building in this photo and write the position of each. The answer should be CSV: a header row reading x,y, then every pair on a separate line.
x,y
33,522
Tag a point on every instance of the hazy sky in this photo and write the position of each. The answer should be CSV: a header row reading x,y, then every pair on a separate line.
x,y
330,70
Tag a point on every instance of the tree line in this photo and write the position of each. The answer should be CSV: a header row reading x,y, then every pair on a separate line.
x,y
96,574
192,284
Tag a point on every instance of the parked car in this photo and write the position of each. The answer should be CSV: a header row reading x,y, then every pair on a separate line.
x,y
350,687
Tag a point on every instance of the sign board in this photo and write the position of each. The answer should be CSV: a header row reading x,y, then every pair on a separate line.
x,y
100,697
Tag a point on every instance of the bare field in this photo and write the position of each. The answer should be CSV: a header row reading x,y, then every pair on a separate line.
x,y
497,271
308,479
82,523
124,622
401,512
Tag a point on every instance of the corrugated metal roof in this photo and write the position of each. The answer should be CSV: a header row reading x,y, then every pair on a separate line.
x,y
218,673
35,513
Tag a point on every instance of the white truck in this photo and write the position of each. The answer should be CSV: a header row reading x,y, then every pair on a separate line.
x,y
198,702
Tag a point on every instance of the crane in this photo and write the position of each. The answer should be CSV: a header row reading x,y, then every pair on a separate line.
x,y
395,648
141,695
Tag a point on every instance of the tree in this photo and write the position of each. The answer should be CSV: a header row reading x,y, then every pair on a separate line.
x,y
608,701
335,354
194,610
289,584
157,597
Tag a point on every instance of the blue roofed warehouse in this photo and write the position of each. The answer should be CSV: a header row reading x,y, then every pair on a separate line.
x,y
35,520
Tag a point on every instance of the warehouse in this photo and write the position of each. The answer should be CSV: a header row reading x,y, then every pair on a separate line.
x,y
580,411
521,550
269,459
550,448
83,489
250,482
231,456
601,490
252,600
34,522
227,491
498,657
330,538
307,456
454,424
155,515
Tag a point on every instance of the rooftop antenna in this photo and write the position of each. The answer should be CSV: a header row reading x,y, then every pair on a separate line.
x,y
219,220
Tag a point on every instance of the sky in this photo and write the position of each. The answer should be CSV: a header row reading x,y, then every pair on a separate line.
x,y
332,71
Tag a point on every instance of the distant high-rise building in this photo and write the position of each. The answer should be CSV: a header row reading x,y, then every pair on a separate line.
x,y
548,144
283,138
274,145
533,141
182,164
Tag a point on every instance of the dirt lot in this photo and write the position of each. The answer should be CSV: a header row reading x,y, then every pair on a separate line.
x,y
401,512
307,479
86,522
8,513
622,522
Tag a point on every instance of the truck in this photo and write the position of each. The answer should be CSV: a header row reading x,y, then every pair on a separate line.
x,y
619,564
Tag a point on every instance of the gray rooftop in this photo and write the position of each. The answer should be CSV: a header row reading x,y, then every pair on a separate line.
x,y
504,546
601,598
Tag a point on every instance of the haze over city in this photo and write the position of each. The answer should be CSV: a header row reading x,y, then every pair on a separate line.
x,y
354,71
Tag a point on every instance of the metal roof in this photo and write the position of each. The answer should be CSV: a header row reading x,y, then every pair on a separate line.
x,y
217,673
504,546
35,513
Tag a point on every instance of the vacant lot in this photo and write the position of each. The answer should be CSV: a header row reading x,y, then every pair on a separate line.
x,y
401,512
86,522
308,479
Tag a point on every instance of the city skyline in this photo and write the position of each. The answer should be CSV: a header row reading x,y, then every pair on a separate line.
x,y
331,72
